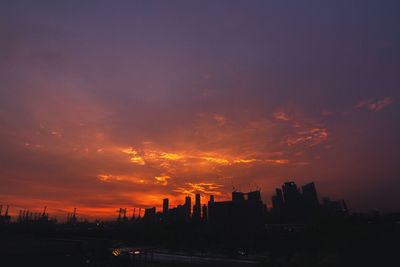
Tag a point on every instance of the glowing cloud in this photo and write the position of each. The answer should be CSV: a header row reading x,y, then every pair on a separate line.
x,y
134,157
216,160
162,180
201,187
171,156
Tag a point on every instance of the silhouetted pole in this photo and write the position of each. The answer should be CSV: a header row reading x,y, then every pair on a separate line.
x,y
44,211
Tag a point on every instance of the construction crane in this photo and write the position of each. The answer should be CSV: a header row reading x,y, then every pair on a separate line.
x,y
44,212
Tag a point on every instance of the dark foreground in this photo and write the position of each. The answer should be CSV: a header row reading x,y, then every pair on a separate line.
x,y
354,241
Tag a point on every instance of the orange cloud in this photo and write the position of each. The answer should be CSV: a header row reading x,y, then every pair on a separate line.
x,y
310,137
108,178
134,157
209,188
163,179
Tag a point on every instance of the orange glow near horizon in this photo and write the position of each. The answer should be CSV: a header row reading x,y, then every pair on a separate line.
x,y
151,104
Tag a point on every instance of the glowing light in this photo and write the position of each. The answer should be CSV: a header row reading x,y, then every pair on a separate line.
x,y
116,252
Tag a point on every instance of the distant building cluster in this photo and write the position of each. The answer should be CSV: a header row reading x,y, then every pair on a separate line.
x,y
243,207
290,204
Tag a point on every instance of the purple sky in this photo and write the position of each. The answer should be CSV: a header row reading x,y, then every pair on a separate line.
x,y
108,104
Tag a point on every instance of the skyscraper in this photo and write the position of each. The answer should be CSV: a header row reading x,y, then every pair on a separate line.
x,y
277,203
254,196
310,197
188,207
165,207
237,196
197,208
211,198
293,206
291,193
205,213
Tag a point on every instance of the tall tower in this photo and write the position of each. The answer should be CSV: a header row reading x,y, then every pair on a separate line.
x,y
197,208
310,196
188,207
198,200
291,193
205,213
237,196
165,207
211,198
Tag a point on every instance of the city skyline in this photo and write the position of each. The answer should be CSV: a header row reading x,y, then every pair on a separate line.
x,y
112,105
289,204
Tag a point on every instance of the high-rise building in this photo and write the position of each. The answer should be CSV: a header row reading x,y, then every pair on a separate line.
x,y
292,210
197,208
279,197
237,196
310,196
198,199
291,193
211,198
188,207
254,196
205,213
150,214
165,207
244,214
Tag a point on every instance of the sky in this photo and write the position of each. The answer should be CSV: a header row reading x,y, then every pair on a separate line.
x,y
109,104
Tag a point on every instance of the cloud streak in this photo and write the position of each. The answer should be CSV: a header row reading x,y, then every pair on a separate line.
x,y
376,105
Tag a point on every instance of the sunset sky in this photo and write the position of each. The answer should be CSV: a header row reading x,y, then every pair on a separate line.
x,y
108,104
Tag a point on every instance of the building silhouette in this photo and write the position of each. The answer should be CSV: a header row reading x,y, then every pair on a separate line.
x,y
188,208
150,215
197,208
244,211
290,204
310,197
4,219
334,208
165,207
